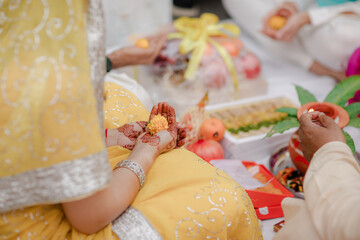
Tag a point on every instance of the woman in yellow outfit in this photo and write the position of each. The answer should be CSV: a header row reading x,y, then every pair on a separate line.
x,y
55,178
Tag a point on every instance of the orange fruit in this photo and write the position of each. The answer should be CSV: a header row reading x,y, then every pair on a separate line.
x,y
213,129
231,47
142,43
277,22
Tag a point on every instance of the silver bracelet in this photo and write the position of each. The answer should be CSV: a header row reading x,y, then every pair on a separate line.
x,y
134,167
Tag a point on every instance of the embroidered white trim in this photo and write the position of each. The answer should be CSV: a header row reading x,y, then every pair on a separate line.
x,y
96,51
133,225
134,167
63,181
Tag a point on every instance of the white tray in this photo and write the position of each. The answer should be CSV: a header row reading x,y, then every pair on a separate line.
x,y
252,148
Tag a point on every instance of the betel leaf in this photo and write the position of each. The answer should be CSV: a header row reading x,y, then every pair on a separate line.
x,y
292,112
282,126
355,122
304,95
349,141
344,90
353,109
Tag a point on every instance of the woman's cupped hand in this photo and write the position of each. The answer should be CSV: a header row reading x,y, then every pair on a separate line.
x,y
136,134
165,140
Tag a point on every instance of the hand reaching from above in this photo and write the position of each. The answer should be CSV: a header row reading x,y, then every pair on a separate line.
x,y
294,23
133,55
126,135
286,10
145,56
316,129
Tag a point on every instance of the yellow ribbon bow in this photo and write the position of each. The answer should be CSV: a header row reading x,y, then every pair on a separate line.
x,y
196,33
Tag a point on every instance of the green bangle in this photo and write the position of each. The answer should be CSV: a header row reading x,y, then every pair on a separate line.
x,y
108,65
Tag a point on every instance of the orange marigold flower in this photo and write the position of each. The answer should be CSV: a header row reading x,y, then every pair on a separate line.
x,y
158,123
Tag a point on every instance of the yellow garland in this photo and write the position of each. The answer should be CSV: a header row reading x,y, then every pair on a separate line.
x,y
196,33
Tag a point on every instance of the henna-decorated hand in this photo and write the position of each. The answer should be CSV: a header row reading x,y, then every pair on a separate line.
x,y
181,137
126,135
161,109
164,140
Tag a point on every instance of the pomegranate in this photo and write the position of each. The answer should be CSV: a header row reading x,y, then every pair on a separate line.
x,y
207,149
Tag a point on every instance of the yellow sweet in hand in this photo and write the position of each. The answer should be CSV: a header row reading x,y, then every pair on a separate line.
x,y
157,124
142,43
277,22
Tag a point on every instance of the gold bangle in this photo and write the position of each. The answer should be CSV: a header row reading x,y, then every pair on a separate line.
x,y
135,168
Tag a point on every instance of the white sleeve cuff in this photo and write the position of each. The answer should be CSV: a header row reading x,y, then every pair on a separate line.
x,y
320,15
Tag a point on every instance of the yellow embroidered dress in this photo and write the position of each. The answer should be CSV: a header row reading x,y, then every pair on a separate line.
x,y
51,147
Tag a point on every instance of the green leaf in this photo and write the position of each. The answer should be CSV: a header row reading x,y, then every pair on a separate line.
x,y
282,126
355,122
292,112
353,109
349,141
344,90
304,95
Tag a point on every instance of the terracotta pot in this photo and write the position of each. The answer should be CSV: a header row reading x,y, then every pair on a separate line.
x,y
296,153
340,116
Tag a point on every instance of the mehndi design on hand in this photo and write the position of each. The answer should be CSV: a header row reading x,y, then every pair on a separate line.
x,y
164,140
153,140
126,135
169,113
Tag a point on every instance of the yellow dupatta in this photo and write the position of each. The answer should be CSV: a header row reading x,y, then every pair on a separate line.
x,y
51,146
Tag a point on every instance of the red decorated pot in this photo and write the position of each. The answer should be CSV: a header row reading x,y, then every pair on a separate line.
x,y
296,154
340,116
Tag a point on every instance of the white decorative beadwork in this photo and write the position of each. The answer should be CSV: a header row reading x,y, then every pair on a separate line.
x,y
133,225
134,167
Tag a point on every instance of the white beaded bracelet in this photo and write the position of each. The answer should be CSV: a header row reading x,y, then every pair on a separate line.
x,y
134,167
